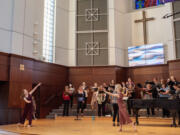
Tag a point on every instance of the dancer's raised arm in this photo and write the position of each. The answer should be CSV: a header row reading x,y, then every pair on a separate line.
x,y
34,89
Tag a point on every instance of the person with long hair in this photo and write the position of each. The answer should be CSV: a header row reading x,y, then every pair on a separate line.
x,y
94,88
130,82
28,109
80,101
123,114
112,84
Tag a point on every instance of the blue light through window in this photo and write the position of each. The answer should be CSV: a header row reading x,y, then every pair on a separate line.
x,y
149,3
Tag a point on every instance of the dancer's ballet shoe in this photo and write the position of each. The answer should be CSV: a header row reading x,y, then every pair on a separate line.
x,y
29,126
20,125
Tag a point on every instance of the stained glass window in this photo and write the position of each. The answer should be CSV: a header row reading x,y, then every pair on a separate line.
x,y
149,3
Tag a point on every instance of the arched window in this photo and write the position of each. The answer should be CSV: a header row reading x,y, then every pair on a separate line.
x,y
49,30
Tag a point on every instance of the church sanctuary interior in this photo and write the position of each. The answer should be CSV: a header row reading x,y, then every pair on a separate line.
x,y
90,67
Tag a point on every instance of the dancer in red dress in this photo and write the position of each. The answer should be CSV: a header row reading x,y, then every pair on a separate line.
x,y
123,114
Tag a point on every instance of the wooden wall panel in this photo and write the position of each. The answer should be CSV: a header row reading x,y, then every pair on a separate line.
x,y
174,68
141,74
77,75
121,74
4,67
4,70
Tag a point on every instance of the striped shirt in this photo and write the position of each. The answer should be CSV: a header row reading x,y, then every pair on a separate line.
x,y
114,100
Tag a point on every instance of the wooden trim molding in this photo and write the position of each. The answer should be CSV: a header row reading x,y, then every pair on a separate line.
x,y
170,61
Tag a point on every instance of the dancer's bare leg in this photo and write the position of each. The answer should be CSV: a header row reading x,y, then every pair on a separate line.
x,y
34,116
134,127
120,130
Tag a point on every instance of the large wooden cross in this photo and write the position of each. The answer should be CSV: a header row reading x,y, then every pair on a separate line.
x,y
144,21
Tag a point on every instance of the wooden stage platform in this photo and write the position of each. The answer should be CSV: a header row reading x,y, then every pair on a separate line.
x,y
87,126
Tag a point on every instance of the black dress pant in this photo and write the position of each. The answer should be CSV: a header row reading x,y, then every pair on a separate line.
x,y
116,112
101,109
71,100
179,117
85,102
27,114
66,108
166,112
80,105
129,105
152,111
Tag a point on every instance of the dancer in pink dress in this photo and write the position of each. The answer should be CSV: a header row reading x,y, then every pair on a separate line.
x,y
123,114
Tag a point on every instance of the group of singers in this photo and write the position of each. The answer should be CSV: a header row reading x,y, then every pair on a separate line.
x,y
169,88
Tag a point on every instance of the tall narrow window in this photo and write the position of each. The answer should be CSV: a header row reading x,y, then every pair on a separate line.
x,y
49,30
